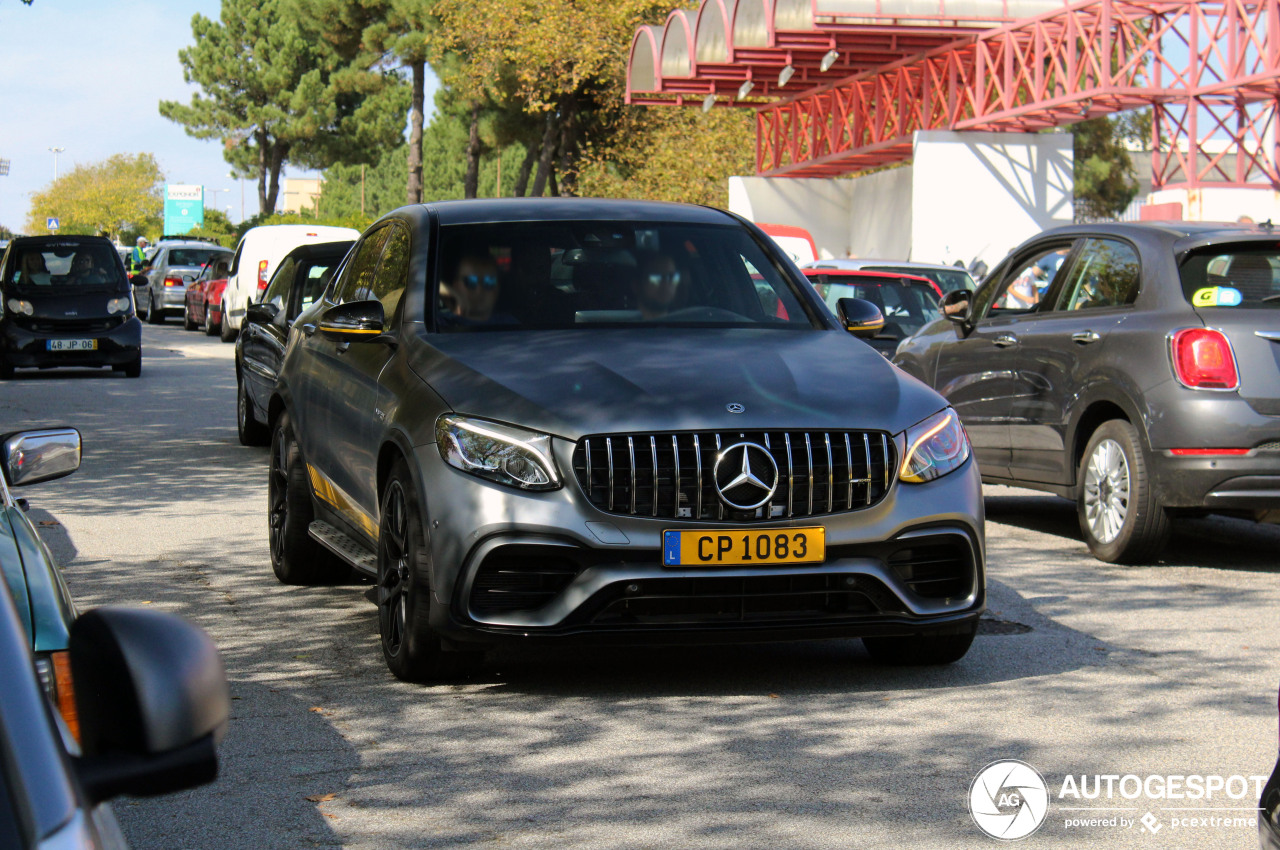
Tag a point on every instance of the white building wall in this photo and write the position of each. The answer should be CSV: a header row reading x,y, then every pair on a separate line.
x,y
966,196
1222,204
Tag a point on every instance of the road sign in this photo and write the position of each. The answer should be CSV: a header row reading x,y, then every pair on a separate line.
x,y
51,223
4,168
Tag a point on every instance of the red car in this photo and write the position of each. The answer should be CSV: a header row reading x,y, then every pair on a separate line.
x,y
908,302
203,306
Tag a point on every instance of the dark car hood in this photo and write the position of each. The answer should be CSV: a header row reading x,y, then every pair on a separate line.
x,y
572,383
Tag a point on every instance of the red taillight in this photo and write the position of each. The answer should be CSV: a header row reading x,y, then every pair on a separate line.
x,y
262,275
1207,452
1202,359
173,281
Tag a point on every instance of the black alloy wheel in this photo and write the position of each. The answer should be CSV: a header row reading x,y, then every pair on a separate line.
x,y
250,430
295,557
411,648
919,650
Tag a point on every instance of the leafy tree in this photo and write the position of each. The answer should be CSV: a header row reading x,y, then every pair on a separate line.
x,y
273,92
672,155
1105,181
120,197
217,228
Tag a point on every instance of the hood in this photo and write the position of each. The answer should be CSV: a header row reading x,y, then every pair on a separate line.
x,y
69,304
572,383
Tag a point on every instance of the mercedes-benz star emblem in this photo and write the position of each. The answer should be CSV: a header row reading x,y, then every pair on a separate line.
x,y
734,407
746,476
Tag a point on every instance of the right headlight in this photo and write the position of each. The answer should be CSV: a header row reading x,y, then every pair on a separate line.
x,y
17,305
502,453
936,446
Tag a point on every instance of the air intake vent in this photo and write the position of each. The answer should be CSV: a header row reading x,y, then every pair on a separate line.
x,y
520,578
673,475
935,570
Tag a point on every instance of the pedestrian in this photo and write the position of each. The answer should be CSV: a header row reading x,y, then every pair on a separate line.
x,y
138,257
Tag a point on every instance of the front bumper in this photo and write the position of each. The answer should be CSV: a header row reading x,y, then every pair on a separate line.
x,y
515,565
119,344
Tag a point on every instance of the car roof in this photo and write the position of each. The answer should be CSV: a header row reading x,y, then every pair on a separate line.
x,y
191,243
311,249
478,211
19,241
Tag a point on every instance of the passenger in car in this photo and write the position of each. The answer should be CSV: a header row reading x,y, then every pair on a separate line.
x,y
34,271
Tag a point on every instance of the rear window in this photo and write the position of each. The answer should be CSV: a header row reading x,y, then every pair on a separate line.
x,y
948,281
65,265
195,257
1241,276
601,274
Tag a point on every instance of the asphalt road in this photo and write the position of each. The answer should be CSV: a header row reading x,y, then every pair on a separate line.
x,y
1082,669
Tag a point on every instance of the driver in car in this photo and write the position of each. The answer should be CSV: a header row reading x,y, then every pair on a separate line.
x,y
656,286
470,294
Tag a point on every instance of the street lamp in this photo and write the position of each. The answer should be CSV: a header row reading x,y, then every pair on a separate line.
x,y
55,152
215,192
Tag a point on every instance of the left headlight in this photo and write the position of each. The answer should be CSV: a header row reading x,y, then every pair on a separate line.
x,y
936,446
118,305
502,453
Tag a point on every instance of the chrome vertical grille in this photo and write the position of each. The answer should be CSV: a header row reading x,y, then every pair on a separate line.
x,y
671,475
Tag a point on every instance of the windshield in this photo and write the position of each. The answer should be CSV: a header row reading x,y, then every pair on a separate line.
x,y
65,266
906,307
1243,276
545,275
196,257
947,280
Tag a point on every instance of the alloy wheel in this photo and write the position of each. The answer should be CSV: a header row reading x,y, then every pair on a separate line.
x,y
1106,491
393,581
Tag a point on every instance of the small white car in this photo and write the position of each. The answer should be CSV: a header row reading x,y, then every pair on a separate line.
x,y
260,250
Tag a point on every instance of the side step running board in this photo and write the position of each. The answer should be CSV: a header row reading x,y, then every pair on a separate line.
x,y
359,556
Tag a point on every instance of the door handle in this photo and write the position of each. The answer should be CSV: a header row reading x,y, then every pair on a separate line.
x,y
342,347
1085,337
1005,340
308,329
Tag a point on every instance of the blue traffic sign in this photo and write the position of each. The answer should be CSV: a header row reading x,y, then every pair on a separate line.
x,y
51,223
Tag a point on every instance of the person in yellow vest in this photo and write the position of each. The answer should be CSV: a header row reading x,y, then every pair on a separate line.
x,y
138,257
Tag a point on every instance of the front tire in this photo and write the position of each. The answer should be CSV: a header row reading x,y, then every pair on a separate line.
x,y
210,329
1120,517
920,650
250,430
411,648
133,369
188,323
295,557
6,370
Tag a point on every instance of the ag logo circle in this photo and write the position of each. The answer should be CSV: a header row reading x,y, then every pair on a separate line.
x,y
1008,799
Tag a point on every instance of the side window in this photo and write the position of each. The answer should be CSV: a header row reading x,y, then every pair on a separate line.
x,y
1105,275
357,279
1025,284
235,261
313,280
393,272
278,292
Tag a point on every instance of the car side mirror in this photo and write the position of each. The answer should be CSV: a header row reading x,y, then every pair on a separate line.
x,y
355,321
957,306
138,280
188,279
33,456
263,313
860,317
152,700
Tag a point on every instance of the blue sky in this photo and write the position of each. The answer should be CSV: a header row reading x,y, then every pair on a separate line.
x,y
87,75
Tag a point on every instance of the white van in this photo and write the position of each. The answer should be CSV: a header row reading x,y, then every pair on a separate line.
x,y
260,250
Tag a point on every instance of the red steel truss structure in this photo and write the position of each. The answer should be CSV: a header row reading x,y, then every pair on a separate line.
x,y
1209,68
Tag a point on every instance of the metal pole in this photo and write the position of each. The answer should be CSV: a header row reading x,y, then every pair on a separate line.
x,y
55,152
362,190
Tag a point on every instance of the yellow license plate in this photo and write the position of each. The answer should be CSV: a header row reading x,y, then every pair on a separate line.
x,y
721,548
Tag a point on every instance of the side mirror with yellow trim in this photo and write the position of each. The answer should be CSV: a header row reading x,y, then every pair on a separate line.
x,y
860,317
355,321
